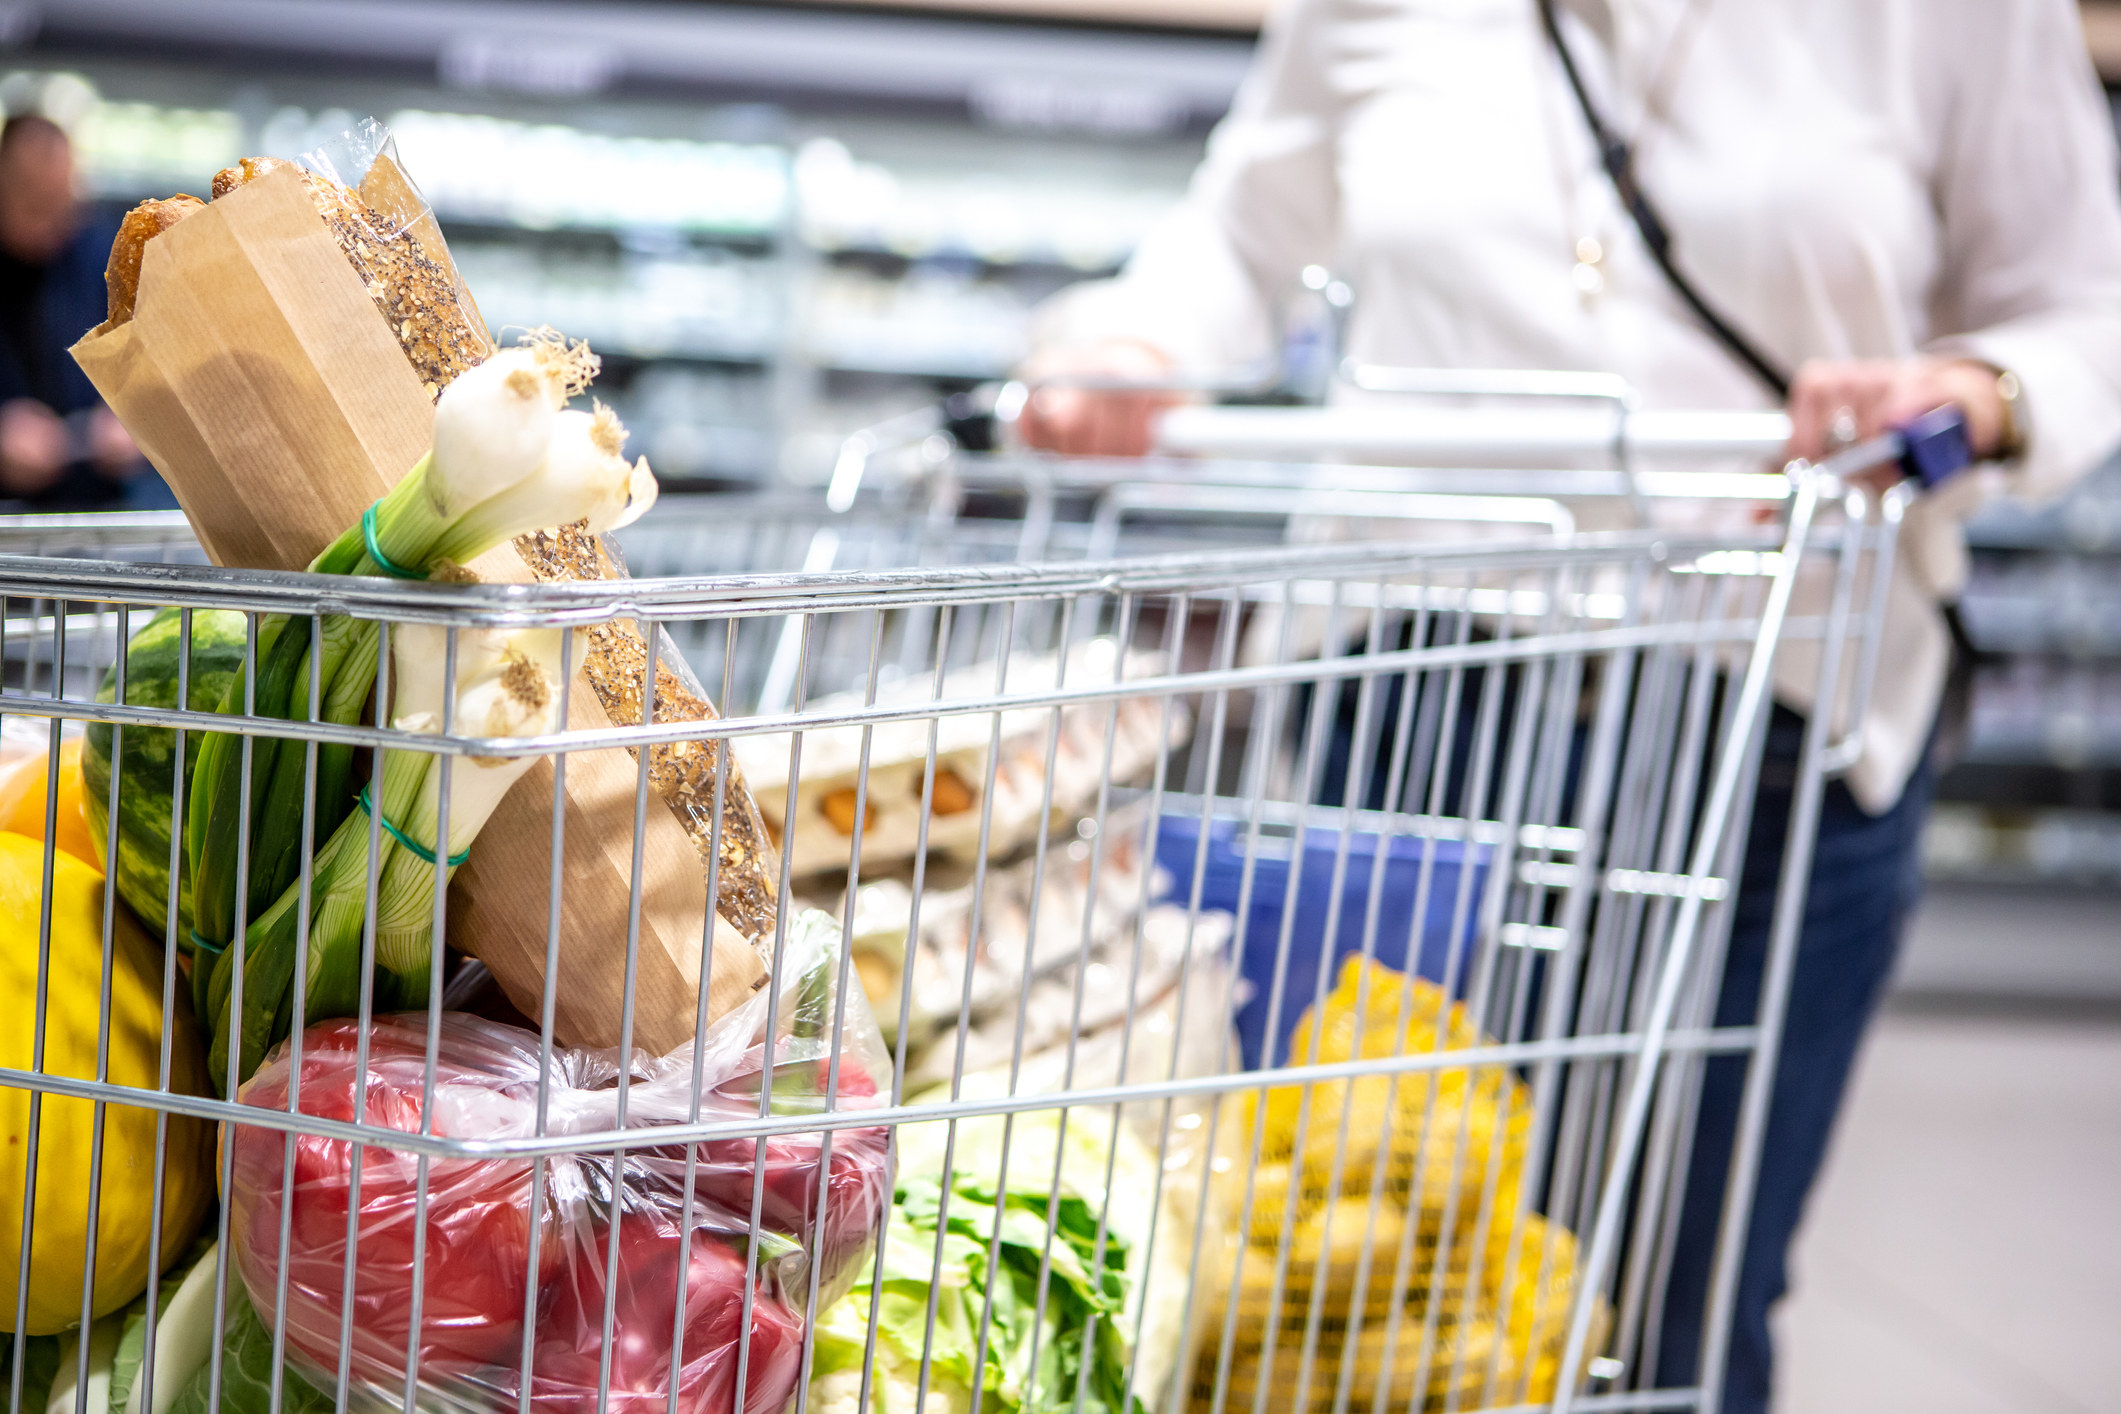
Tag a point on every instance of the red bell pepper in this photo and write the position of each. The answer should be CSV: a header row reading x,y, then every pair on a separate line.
x,y
858,1187
653,1258
478,1221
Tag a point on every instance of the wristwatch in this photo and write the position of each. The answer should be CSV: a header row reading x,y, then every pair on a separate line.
x,y
2010,432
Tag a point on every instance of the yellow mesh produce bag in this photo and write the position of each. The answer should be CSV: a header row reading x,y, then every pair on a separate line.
x,y
1462,1130
1386,1248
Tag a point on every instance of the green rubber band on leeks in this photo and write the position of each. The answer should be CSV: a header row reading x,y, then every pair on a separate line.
x,y
382,561
419,851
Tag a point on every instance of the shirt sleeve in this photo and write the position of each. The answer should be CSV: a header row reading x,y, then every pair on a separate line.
x,y
2030,209
1205,283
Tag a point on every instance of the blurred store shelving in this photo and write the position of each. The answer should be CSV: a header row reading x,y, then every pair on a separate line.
x,y
774,222
1239,15
733,256
2036,795
781,223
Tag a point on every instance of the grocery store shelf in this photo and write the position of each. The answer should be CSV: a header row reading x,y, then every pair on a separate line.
x,y
2088,522
2044,593
2073,740
2048,604
1236,16
872,253
1035,76
2033,848
739,288
934,368
543,237
2067,753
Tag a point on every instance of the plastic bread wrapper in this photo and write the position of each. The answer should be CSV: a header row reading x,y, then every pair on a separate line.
x,y
262,381
364,158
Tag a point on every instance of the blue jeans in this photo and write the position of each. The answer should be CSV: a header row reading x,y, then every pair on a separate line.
x,y
1865,879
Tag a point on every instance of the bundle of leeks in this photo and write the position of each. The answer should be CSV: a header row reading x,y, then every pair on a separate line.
x,y
508,457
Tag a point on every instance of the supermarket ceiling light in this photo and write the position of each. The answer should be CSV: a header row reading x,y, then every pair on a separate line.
x,y
539,175
545,67
1039,103
754,48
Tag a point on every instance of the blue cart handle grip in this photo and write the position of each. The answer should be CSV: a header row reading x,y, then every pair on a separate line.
x,y
1934,447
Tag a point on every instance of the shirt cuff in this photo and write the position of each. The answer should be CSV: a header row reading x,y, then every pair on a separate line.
x,y
2071,415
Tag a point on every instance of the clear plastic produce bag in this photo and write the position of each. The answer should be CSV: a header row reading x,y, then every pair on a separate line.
x,y
619,1251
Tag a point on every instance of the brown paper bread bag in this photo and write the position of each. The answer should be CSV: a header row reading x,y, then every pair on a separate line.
x,y
266,386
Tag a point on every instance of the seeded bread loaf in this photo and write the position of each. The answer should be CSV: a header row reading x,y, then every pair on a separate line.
x,y
616,663
418,295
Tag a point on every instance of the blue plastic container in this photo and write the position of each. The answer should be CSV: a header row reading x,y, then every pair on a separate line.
x,y
1177,841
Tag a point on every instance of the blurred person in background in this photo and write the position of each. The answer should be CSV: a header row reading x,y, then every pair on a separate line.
x,y
60,447
1874,208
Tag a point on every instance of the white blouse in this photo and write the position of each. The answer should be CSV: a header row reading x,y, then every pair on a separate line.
x,y
1843,178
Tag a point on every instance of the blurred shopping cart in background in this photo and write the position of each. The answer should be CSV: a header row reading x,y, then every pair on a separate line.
x,y
1315,944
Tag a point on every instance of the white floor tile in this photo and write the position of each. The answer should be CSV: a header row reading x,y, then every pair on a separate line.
x,y
1963,1251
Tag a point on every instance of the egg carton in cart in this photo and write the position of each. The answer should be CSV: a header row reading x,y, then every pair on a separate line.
x,y
997,778
1071,941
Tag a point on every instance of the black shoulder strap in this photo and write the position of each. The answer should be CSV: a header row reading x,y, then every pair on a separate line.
x,y
1619,164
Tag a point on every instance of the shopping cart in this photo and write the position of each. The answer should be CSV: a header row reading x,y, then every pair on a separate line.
x,y
1454,1182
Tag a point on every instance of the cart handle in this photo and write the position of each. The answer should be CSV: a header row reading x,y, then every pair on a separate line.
x,y
1477,436
1931,448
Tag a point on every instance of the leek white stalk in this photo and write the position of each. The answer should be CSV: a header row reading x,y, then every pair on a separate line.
x,y
184,1338
494,423
419,668
103,1339
515,694
493,428
507,458
584,477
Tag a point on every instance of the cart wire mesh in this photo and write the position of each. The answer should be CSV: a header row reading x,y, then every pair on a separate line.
x,y
1330,933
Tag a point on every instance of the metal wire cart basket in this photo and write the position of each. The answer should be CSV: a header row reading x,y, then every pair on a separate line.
x,y
1202,970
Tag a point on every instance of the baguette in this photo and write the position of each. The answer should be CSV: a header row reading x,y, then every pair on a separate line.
x,y
121,278
1090,743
